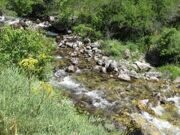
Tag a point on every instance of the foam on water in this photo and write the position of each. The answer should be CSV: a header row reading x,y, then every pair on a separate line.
x,y
11,22
67,82
159,110
2,18
164,126
43,25
98,101
176,100
64,80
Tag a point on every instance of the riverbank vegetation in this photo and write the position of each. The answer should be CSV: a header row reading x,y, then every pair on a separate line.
x,y
135,28
28,103
39,108
152,24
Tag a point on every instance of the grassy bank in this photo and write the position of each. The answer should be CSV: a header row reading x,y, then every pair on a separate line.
x,y
28,103
36,108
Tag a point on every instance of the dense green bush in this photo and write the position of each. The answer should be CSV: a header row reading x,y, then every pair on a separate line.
x,y
122,19
41,110
168,45
117,49
172,70
23,47
21,7
86,31
17,44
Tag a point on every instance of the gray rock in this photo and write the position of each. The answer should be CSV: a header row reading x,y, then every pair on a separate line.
x,y
87,41
61,44
71,69
95,45
74,61
78,71
51,19
74,54
88,47
100,62
107,63
178,86
96,58
124,77
153,78
69,44
143,66
112,66
127,54
89,52
96,50
134,74
69,31
153,74
97,68
103,70
135,67
82,51
105,58
74,45
177,80
79,43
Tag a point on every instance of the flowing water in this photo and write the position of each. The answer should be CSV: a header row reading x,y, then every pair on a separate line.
x,y
153,107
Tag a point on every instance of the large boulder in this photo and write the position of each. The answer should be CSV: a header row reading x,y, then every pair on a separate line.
x,y
95,45
153,74
177,80
113,66
69,44
51,18
71,69
143,66
127,54
87,41
124,77
74,61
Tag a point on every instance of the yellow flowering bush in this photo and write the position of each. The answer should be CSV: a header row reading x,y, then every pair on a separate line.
x,y
43,87
30,64
46,87
36,66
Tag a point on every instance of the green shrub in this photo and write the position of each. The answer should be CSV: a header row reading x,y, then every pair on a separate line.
x,y
168,46
17,46
116,48
86,31
173,70
21,7
41,111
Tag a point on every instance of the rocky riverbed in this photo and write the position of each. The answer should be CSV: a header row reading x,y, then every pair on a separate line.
x,y
135,97
131,94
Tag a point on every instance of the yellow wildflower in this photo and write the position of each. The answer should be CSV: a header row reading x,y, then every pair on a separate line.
x,y
47,88
29,64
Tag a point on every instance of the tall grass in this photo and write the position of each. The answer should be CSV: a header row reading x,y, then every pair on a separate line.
x,y
172,70
116,48
34,113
